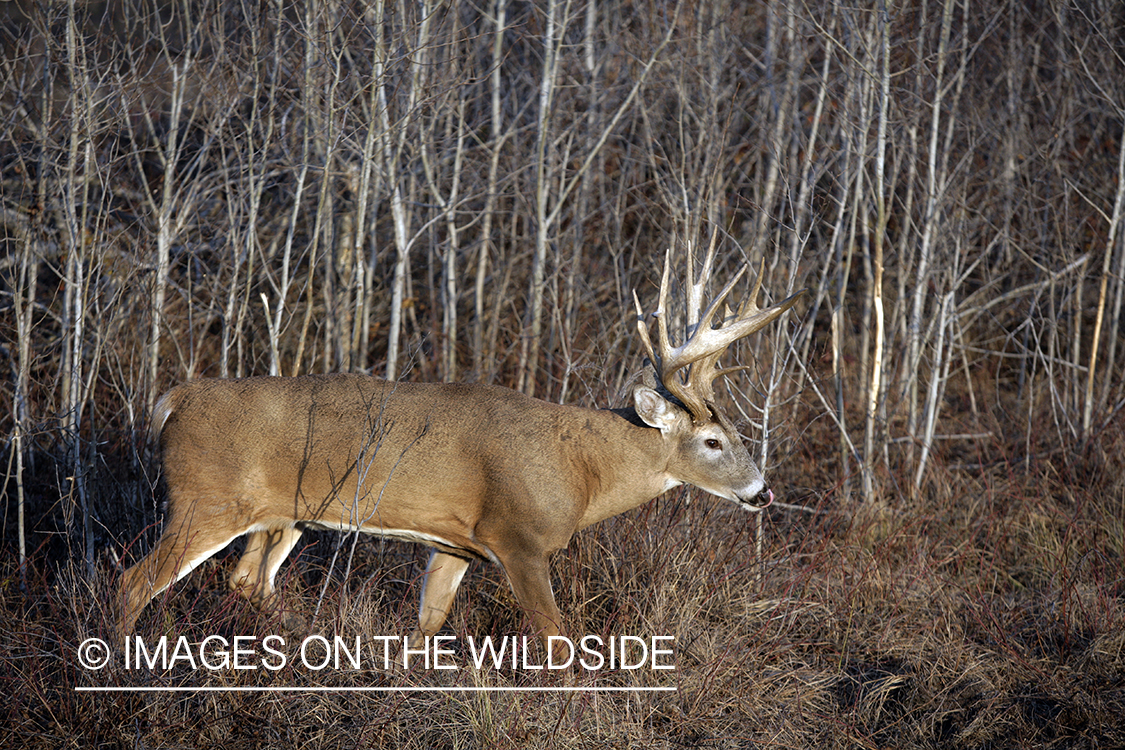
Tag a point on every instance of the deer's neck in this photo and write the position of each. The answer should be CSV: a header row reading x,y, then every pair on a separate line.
x,y
625,463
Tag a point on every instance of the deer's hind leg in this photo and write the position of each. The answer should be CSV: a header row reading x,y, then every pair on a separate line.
x,y
185,543
253,576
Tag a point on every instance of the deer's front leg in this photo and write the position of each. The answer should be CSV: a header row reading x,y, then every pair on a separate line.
x,y
443,575
530,578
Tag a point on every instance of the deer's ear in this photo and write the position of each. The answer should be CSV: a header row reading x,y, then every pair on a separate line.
x,y
654,410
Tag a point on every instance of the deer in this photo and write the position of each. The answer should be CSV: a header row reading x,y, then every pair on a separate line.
x,y
474,471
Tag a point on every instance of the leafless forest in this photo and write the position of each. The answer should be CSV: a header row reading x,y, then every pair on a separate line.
x,y
473,191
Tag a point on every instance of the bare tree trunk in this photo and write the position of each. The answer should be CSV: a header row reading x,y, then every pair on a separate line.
x,y
75,206
313,48
874,393
779,103
934,184
1110,244
24,295
391,167
170,214
454,120
244,251
937,188
496,141
582,203
364,198
544,151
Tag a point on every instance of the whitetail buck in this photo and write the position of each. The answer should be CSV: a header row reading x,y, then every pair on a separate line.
x,y
474,471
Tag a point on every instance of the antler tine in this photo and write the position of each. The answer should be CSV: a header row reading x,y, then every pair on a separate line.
x,y
695,288
642,328
656,357
752,318
708,344
661,313
666,359
709,316
704,343
752,300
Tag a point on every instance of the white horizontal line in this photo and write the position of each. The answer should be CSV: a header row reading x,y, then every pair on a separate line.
x,y
405,689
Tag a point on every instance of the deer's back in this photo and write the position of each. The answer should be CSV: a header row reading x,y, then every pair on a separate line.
x,y
395,446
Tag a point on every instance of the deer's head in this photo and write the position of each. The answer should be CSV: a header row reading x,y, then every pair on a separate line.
x,y
678,396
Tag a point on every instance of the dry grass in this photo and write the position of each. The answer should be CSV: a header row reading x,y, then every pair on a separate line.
x,y
991,617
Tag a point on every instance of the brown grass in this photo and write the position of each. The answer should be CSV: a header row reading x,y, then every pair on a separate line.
x,y
988,616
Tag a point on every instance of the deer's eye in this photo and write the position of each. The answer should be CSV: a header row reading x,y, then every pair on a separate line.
x,y
713,444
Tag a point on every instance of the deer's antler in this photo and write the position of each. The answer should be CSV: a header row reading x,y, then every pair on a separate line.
x,y
687,371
